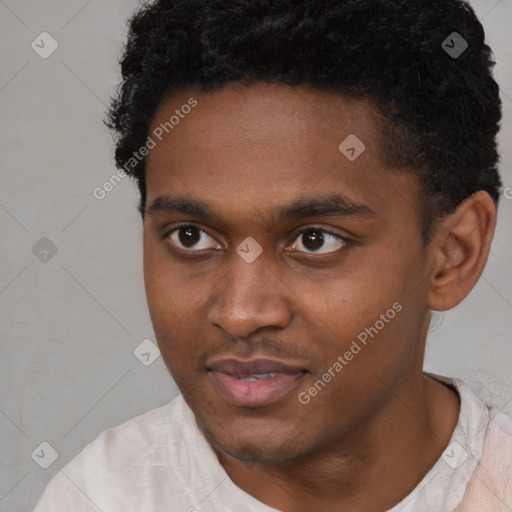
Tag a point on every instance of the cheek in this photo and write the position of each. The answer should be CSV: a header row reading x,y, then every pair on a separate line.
x,y
168,297
361,364
168,292
369,315
177,303
341,308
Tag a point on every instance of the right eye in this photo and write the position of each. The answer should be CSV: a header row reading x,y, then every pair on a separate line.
x,y
187,238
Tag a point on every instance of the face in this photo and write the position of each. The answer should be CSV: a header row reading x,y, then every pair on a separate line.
x,y
285,281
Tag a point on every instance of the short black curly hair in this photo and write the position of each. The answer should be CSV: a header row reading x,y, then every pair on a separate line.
x,y
440,113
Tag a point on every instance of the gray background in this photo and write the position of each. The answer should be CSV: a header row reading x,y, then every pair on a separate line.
x,y
69,326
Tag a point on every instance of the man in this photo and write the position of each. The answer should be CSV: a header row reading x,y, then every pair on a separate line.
x,y
316,177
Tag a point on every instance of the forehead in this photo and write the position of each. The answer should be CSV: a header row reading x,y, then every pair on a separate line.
x,y
266,144
269,109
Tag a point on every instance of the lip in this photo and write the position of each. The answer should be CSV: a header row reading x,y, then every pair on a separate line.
x,y
225,377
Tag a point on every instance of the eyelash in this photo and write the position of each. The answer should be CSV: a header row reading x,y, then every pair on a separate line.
x,y
346,242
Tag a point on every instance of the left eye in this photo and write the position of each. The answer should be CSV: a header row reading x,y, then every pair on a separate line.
x,y
314,239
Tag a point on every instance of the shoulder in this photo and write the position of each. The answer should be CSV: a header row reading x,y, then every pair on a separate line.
x,y
128,456
491,485
498,446
118,445
497,452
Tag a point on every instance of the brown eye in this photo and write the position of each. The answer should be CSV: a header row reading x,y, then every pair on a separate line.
x,y
313,240
192,238
188,236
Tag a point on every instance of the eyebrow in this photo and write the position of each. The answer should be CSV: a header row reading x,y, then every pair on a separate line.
x,y
333,205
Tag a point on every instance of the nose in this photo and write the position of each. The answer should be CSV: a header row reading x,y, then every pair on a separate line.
x,y
250,297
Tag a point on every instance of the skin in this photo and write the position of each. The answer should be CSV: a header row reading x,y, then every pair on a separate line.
x,y
366,440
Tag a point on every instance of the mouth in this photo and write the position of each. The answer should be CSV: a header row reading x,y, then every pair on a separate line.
x,y
254,383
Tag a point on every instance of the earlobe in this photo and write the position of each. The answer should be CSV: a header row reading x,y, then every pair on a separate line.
x,y
460,248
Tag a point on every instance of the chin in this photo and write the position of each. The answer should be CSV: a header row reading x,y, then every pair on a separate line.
x,y
257,449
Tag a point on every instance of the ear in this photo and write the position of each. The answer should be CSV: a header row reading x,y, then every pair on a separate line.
x,y
460,248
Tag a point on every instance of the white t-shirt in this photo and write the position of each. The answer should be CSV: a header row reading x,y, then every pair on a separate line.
x,y
161,462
